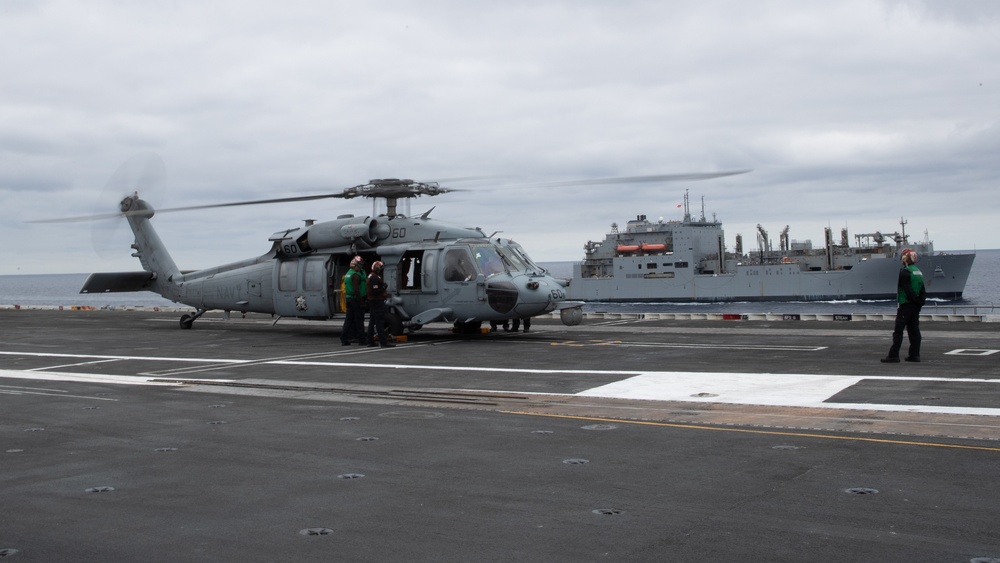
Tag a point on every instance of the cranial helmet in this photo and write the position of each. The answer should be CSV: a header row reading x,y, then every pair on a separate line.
x,y
378,265
357,260
909,256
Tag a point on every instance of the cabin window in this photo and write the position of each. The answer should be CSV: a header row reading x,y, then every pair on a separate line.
x,y
680,264
314,277
667,264
651,266
427,270
288,273
410,270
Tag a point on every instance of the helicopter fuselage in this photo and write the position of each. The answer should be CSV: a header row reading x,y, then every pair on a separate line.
x,y
434,272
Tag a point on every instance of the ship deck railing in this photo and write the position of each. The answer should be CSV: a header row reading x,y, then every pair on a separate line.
x,y
947,313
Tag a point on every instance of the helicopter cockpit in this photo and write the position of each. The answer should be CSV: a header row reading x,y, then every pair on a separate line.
x,y
457,266
488,260
495,257
516,254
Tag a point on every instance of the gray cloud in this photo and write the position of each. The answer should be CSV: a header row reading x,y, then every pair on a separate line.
x,y
850,113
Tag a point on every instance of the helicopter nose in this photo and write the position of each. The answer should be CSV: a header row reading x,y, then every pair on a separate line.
x,y
502,295
543,293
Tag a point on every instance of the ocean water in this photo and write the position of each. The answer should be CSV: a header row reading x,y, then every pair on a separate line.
x,y
982,295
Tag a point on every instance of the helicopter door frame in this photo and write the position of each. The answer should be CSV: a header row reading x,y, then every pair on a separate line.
x,y
302,287
336,271
416,272
459,271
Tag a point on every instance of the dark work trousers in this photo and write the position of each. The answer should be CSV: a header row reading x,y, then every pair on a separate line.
x,y
376,322
907,317
354,322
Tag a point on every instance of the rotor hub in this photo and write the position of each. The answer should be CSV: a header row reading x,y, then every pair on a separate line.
x,y
394,188
127,203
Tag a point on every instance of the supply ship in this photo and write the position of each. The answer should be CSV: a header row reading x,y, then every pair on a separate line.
x,y
687,261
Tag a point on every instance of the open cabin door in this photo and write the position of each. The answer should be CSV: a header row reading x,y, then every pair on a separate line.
x,y
338,304
416,272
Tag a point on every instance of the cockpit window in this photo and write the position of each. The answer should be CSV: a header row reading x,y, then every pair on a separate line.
x,y
519,251
457,266
488,260
513,259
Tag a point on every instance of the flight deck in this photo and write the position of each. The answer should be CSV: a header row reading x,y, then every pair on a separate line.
x,y
640,439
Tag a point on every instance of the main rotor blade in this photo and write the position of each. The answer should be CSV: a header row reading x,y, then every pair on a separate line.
x,y
645,179
79,219
99,216
355,192
253,202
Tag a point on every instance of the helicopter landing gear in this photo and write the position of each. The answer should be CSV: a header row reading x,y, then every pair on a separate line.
x,y
188,320
393,323
471,327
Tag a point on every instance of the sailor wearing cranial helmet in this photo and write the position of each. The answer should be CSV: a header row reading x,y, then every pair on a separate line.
x,y
910,295
354,290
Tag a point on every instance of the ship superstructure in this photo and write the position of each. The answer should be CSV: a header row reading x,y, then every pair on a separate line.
x,y
682,261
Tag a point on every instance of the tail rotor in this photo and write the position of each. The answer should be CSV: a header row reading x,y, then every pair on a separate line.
x,y
144,174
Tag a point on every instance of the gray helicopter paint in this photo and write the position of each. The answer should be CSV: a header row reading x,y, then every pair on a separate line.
x,y
300,275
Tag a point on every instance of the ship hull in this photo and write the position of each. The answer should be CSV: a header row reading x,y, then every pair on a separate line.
x,y
945,276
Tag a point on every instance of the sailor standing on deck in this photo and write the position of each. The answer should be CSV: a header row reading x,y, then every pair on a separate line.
x,y
355,290
910,295
377,294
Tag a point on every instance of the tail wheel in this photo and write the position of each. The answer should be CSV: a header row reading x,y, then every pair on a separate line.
x,y
188,320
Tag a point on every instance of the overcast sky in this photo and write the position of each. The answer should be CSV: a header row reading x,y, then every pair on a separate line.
x,y
851,114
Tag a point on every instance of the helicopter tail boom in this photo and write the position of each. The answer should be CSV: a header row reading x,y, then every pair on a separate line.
x,y
149,249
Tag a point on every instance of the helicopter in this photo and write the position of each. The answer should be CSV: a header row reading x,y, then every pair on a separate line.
x,y
435,272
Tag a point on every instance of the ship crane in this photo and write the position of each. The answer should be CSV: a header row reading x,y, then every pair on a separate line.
x,y
763,243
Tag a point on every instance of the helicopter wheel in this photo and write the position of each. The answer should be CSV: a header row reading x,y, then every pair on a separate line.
x,y
471,327
393,324
187,321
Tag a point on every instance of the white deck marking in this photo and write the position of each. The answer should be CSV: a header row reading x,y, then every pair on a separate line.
x,y
76,364
455,368
81,377
692,345
108,357
971,352
793,390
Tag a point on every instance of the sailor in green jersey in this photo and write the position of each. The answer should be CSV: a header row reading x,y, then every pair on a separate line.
x,y
354,291
910,295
